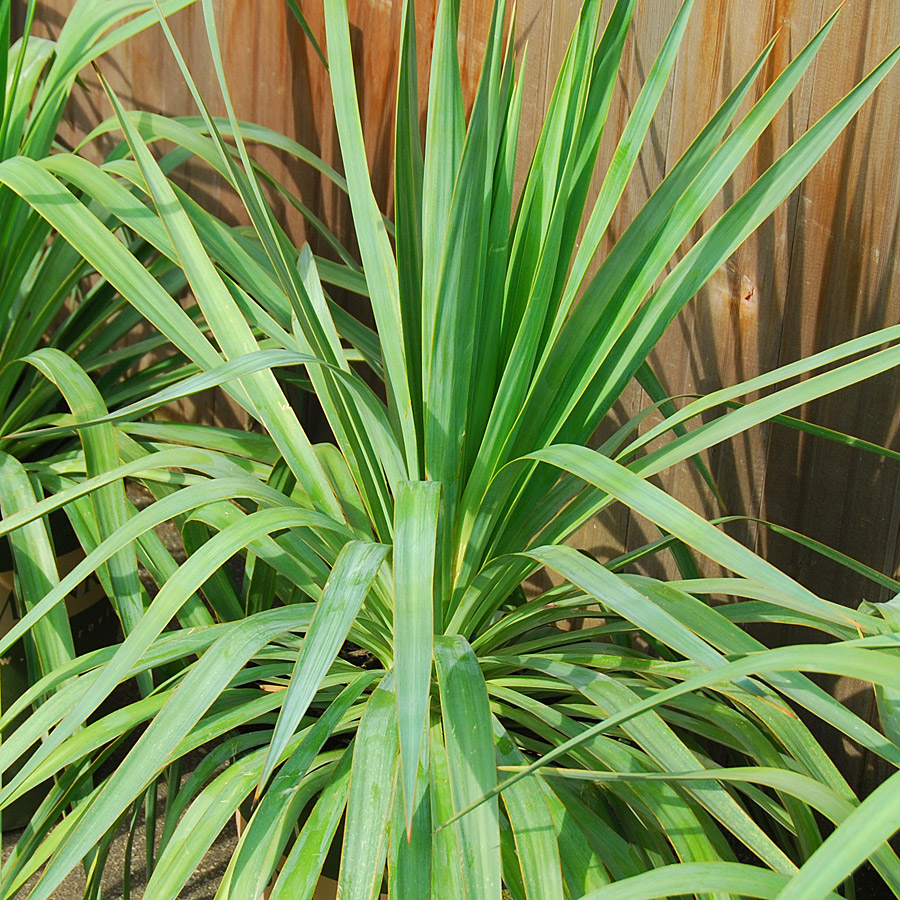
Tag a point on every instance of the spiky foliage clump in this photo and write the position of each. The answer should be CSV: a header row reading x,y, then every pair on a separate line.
x,y
378,667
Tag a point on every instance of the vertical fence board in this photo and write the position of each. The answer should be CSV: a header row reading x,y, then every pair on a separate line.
x,y
843,281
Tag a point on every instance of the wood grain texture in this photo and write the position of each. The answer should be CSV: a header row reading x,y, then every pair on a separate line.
x,y
821,270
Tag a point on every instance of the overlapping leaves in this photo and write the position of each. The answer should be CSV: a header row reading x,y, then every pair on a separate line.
x,y
376,665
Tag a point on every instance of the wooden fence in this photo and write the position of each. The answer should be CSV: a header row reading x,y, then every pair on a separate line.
x,y
821,270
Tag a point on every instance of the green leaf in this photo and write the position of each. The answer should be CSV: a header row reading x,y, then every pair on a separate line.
x,y
667,750
532,826
377,256
692,529
615,593
860,835
36,570
410,862
373,781
446,874
444,138
173,594
859,659
345,592
269,829
449,338
230,328
415,536
106,254
408,178
301,19
691,878
101,454
196,693
468,734
302,868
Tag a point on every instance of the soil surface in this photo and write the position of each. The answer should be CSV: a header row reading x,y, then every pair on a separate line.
x,y
201,886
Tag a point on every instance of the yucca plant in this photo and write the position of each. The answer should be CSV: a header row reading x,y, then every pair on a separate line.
x,y
379,668
50,297
46,298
